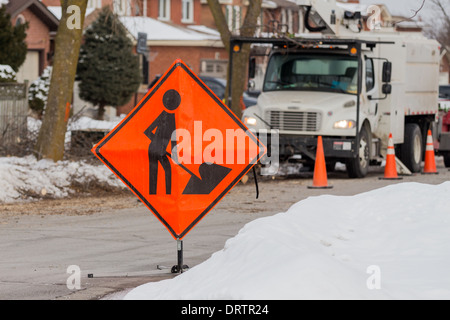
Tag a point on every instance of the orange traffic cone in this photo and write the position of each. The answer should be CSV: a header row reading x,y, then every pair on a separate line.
x,y
320,170
430,163
390,170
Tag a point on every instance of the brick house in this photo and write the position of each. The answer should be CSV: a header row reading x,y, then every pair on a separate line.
x,y
173,31
40,35
181,29
186,29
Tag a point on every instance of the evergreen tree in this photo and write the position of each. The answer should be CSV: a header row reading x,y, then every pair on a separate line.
x,y
12,41
108,71
38,92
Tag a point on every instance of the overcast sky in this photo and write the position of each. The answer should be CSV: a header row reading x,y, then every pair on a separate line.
x,y
407,8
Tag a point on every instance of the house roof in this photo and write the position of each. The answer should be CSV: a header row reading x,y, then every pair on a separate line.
x,y
163,33
38,8
285,4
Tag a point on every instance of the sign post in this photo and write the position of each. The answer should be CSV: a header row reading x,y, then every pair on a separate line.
x,y
180,257
180,151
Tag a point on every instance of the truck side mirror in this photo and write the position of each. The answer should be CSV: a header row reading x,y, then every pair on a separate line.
x,y
387,69
386,88
251,67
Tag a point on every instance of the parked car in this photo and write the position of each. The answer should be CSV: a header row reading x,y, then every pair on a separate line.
x,y
218,86
444,97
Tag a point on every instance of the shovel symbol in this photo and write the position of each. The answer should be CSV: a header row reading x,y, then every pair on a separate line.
x,y
211,174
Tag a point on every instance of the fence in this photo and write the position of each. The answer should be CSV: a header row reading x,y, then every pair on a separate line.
x,y
13,114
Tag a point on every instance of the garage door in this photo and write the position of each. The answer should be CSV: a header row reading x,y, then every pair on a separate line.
x,y
30,68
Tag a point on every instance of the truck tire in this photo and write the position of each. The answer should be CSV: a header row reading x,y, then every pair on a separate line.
x,y
330,165
358,167
447,159
412,148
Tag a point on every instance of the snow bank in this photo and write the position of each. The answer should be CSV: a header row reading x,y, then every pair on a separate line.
x,y
390,243
24,178
86,123
7,73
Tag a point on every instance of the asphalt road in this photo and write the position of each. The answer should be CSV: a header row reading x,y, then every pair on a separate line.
x,y
120,243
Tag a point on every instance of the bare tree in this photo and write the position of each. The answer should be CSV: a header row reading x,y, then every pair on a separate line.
x,y
440,24
240,60
50,142
440,29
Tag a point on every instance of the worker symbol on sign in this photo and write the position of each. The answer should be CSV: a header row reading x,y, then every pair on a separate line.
x,y
160,133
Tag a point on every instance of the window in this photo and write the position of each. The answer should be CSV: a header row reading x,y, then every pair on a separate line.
x,y
187,11
237,19
290,22
233,17
145,69
229,16
214,68
121,7
312,72
284,17
20,20
164,10
94,4
370,82
444,92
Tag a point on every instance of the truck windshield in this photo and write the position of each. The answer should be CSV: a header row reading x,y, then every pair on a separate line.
x,y
312,72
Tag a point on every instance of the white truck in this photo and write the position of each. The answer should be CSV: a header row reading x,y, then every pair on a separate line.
x,y
353,90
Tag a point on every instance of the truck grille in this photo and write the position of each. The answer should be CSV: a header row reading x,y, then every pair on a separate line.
x,y
294,120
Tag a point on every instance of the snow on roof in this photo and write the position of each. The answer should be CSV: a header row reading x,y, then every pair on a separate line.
x,y
269,4
158,30
205,29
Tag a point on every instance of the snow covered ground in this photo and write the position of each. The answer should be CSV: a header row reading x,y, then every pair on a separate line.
x,y
390,243
26,178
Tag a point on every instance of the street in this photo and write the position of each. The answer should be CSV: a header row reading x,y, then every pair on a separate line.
x,y
118,244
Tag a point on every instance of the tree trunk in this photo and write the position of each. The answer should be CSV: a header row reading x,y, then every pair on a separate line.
x,y
240,60
50,142
101,112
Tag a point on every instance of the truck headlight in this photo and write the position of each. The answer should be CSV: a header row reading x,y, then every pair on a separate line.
x,y
250,121
344,124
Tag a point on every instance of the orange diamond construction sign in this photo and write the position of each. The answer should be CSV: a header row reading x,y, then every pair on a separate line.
x,y
180,150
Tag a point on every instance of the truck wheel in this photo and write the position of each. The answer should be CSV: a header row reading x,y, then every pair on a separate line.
x,y
412,148
447,159
359,166
330,165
